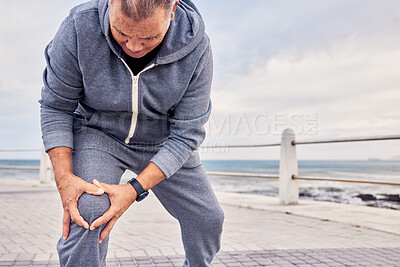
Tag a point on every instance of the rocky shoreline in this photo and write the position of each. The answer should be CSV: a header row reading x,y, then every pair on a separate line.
x,y
387,201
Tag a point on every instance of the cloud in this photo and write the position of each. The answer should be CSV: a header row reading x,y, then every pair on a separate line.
x,y
25,29
348,81
353,68
246,35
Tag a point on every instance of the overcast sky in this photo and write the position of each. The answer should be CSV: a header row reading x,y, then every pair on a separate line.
x,y
326,69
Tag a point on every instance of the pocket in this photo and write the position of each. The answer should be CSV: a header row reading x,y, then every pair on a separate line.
x,y
92,120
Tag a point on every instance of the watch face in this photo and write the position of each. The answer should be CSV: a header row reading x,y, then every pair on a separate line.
x,y
142,196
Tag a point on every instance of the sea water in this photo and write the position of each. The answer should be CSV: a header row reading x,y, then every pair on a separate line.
x,y
384,196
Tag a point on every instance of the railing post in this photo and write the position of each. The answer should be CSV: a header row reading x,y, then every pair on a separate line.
x,y
288,188
45,168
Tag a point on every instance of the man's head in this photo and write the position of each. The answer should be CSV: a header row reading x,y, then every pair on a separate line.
x,y
139,26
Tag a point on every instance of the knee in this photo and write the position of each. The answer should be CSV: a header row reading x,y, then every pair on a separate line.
x,y
91,207
213,220
218,218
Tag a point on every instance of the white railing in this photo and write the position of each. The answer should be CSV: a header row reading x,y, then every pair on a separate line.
x,y
288,165
45,168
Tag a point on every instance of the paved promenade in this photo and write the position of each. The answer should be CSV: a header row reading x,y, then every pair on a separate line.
x,y
257,232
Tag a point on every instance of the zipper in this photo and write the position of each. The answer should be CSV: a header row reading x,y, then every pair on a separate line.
x,y
135,99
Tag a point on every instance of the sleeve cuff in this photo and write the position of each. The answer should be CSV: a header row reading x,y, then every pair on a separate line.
x,y
58,139
167,162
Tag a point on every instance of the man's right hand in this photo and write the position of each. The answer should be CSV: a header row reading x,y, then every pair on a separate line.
x,y
71,187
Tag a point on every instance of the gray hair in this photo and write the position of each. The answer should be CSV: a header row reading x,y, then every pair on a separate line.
x,y
139,10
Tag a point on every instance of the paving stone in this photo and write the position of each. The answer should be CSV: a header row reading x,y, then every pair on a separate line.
x,y
22,263
230,259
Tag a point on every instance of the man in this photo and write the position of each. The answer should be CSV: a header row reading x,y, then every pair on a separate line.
x,y
127,86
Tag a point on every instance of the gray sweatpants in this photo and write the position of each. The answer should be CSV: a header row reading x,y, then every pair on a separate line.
x,y
187,196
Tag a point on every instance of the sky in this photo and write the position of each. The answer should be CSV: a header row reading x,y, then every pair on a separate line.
x,y
326,69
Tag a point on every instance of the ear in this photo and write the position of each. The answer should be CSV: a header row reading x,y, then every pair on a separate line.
x,y
173,10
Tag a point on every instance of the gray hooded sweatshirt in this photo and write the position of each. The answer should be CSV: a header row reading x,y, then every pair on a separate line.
x,y
166,105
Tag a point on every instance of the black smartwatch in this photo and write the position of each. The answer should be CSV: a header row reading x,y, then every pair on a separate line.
x,y
141,193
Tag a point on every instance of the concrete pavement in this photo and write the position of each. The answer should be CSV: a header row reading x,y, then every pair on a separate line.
x,y
257,232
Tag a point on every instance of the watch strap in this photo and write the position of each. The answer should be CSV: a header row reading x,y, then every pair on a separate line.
x,y
138,187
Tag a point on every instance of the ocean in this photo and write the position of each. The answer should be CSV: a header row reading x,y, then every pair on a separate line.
x,y
383,196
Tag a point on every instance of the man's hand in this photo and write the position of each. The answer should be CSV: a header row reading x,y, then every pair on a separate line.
x,y
71,187
121,198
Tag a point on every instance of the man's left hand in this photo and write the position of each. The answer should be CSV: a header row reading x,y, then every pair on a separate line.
x,y
121,198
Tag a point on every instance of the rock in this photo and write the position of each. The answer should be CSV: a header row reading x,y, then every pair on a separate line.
x,y
331,189
388,197
305,194
366,197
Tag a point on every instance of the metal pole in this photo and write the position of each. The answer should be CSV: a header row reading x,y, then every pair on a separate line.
x,y
288,188
19,168
343,140
19,149
345,180
238,174
241,146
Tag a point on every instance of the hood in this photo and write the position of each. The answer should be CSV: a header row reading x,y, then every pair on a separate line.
x,y
184,34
